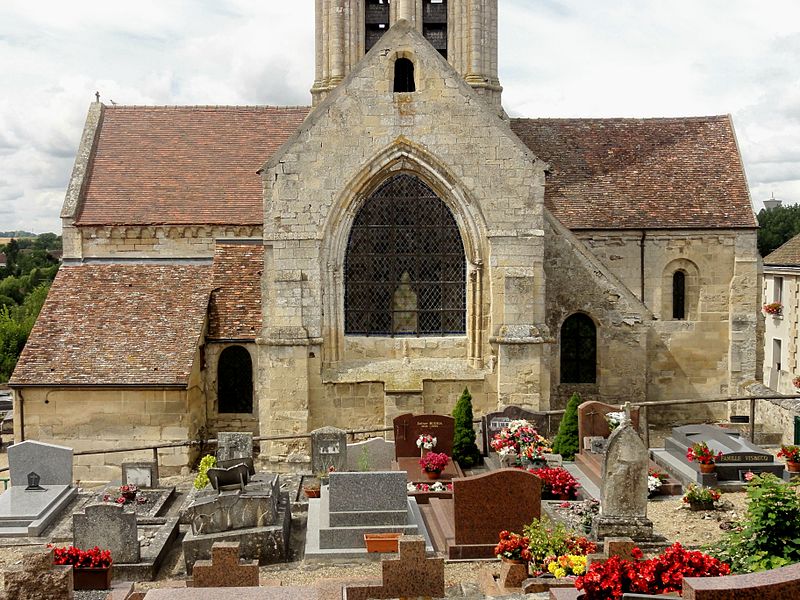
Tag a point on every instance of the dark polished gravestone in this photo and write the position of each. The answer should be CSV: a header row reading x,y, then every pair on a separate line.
x,y
739,455
408,427
493,423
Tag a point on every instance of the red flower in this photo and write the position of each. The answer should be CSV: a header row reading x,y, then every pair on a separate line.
x,y
556,480
82,559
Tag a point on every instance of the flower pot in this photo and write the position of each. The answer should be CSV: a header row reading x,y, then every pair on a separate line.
x,y
92,579
311,492
433,474
382,542
793,467
698,505
707,468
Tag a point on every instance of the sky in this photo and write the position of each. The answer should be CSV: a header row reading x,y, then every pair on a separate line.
x,y
558,58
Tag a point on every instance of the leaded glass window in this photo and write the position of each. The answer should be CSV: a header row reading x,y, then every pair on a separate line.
x,y
578,350
405,269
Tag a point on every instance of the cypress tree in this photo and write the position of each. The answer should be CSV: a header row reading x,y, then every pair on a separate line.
x,y
465,451
566,443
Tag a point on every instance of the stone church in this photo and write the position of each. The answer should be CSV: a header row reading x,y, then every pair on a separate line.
x,y
277,269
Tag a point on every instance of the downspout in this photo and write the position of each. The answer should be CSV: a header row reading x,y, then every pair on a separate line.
x,y
20,414
641,264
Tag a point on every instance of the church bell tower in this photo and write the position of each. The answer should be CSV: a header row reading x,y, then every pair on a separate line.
x,y
463,31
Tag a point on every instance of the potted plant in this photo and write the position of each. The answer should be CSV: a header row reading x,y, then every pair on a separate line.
x,y
701,498
513,548
774,308
312,488
207,462
655,479
91,569
557,482
792,456
433,463
701,453
520,438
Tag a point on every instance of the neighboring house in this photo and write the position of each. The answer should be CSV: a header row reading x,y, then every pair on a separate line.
x,y
2,260
277,269
781,298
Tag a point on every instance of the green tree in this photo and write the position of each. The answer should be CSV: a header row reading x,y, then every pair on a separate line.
x,y
777,226
464,449
567,443
15,326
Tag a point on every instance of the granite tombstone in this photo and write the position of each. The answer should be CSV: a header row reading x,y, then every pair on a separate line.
x,y
110,527
52,463
408,428
374,454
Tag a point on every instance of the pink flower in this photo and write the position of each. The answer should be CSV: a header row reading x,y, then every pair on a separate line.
x,y
749,476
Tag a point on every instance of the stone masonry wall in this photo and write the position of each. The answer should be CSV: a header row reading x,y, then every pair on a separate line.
x,y
217,421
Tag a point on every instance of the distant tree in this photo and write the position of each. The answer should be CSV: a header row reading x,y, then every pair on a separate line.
x,y
567,443
465,451
777,226
15,326
11,250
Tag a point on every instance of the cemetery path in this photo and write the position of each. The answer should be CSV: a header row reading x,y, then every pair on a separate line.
x,y
672,518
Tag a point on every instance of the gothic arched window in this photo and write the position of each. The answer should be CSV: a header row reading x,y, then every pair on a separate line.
x,y
405,269
679,295
578,350
235,381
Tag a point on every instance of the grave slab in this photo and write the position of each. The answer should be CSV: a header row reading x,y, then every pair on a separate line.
x,y
225,569
52,463
26,513
110,527
777,584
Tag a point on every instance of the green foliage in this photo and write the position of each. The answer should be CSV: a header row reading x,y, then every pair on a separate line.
x,y
567,443
16,323
465,451
363,460
769,536
207,462
777,226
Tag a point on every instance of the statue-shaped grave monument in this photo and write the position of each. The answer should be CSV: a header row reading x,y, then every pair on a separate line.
x,y
623,509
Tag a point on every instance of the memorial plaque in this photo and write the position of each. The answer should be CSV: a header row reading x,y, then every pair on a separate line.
x,y
745,457
328,449
408,427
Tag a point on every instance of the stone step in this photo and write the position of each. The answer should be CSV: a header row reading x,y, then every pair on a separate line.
x,y
434,531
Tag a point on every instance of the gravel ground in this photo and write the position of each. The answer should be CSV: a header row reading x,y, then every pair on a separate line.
x,y
673,519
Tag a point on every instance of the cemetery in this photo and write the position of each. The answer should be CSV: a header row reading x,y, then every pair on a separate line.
x,y
525,521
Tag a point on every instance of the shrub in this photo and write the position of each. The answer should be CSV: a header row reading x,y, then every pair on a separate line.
x,y
769,536
567,443
465,452
208,462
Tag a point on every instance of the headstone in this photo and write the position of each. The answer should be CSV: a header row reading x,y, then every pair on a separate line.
x,y
592,420
485,505
493,423
225,569
623,508
411,575
408,427
142,474
110,527
236,444
52,463
379,455
776,584
328,449
370,491
39,579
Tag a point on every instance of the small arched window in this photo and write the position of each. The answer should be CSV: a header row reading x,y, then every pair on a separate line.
x,y
578,350
404,76
235,381
679,295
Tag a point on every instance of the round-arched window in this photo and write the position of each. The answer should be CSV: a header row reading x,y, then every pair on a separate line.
x,y
235,381
578,350
405,268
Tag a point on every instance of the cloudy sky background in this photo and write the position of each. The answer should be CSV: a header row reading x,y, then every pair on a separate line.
x,y
558,58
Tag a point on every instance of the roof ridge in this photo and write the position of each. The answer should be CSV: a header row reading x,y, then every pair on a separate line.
x,y
629,119
205,106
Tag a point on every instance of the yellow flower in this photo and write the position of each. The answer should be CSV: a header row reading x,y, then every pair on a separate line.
x,y
578,569
559,573
552,567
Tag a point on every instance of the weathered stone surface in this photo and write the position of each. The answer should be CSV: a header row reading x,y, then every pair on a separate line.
x,y
52,463
328,449
378,454
225,569
369,491
110,527
143,474
232,445
39,579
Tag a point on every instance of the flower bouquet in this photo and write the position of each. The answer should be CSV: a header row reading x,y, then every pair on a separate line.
x,y
126,494
774,308
549,540
426,442
701,453
655,479
513,547
557,482
521,439
614,419
433,463
566,565
701,498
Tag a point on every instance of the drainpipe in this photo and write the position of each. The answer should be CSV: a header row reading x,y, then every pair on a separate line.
x,y
641,263
20,414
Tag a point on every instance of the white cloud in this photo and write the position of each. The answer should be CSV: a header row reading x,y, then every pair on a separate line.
x,y
558,58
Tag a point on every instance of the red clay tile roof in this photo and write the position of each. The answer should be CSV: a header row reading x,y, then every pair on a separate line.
x,y
183,165
118,324
235,309
786,255
641,173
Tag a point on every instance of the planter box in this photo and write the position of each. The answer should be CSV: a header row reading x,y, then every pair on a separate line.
x,y
383,543
92,579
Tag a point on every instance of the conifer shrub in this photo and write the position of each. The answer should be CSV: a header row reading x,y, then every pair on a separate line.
x,y
465,451
567,443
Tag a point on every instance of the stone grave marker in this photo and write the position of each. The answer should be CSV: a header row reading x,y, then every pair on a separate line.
x,y
225,569
39,579
379,455
776,584
142,474
328,449
110,527
234,444
373,491
408,427
592,420
493,423
52,463
623,508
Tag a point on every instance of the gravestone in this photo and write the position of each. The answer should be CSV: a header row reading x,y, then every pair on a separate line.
x,y
493,423
328,449
623,508
142,474
379,455
372,491
592,420
234,444
52,463
110,527
257,506
225,569
776,584
408,427
39,578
